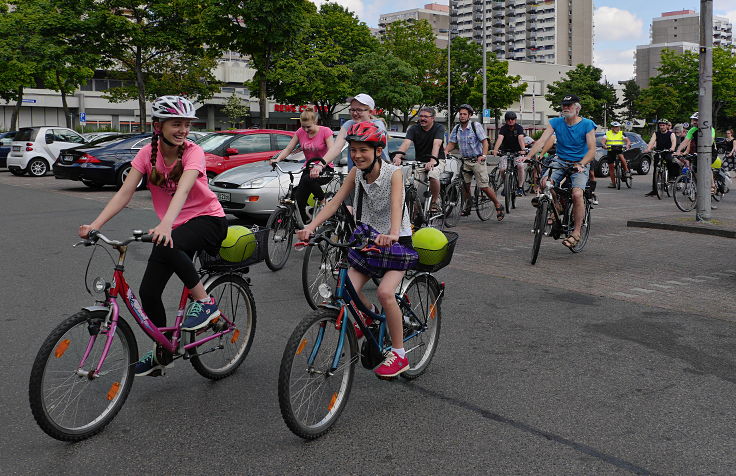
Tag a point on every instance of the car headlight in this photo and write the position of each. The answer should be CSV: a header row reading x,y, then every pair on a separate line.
x,y
255,183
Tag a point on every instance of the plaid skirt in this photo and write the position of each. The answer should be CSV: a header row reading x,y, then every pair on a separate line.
x,y
398,256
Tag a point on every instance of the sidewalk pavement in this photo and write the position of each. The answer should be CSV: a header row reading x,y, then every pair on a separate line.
x,y
722,223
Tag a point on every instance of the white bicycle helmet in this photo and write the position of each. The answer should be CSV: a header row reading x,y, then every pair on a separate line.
x,y
170,107
695,115
615,124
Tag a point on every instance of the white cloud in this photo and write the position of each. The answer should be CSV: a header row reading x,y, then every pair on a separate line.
x,y
724,5
616,24
731,15
355,6
617,65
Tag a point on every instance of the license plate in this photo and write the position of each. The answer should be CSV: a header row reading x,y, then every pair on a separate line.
x,y
67,159
223,196
16,148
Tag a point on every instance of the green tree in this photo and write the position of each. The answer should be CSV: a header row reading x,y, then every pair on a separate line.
x,y
595,97
158,46
658,102
260,29
391,82
680,72
632,91
466,61
317,71
235,110
415,45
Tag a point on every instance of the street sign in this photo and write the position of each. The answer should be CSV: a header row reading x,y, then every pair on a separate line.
x,y
82,118
486,113
29,100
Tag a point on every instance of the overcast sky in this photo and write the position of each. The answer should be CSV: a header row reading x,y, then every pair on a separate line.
x,y
618,25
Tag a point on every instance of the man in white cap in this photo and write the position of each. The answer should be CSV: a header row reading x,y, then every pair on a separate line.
x,y
361,106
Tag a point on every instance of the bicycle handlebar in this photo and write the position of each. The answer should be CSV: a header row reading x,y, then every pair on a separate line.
x,y
354,244
94,236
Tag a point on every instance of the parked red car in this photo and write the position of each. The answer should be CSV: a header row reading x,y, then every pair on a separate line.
x,y
228,149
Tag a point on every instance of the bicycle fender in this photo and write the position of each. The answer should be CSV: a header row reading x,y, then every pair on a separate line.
x,y
96,308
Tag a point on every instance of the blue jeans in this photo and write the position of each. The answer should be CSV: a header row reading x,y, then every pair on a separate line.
x,y
579,179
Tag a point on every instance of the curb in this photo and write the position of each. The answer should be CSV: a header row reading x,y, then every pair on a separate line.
x,y
693,227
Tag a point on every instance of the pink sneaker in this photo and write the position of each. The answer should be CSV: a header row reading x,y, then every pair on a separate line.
x,y
392,366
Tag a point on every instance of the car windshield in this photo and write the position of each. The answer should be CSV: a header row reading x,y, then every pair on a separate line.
x,y
27,134
213,141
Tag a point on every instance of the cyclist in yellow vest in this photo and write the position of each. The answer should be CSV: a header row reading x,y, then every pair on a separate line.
x,y
615,141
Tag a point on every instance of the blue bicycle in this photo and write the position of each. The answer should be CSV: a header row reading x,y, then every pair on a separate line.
x,y
318,363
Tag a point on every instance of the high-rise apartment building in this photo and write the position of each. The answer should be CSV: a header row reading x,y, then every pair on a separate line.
x,y
543,31
436,14
678,31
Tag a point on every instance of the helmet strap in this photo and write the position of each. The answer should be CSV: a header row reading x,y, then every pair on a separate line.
x,y
166,141
376,158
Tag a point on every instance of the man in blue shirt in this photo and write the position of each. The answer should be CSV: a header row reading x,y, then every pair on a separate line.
x,y
575,147
473,144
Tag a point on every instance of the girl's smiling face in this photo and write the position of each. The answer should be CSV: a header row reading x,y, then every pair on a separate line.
x,y
176,130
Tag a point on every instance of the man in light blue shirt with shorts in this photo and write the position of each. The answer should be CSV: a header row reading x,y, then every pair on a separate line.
x,y
575,147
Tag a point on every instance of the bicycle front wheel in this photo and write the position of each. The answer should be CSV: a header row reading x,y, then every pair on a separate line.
x,y
316,374
69,400
507,190
422,319
483,205
618,175
280,236
661,181
540,223
453,204
319,270
685,194
220,357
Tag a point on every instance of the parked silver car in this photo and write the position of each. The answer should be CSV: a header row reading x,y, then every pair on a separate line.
x,y
254,189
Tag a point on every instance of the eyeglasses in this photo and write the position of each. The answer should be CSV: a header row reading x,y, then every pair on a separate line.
x,y
424,117
352,109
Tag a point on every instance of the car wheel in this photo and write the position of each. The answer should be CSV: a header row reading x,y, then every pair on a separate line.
x,y
644,166
123,174
92,184
603,168
37,167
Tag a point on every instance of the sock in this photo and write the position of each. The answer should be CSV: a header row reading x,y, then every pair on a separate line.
x,y
206,300
400,352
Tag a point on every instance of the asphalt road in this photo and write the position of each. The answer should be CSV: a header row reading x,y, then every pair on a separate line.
x,y
616,360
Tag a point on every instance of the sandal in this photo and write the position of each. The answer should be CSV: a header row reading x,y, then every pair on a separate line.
x,y
499,213
571,241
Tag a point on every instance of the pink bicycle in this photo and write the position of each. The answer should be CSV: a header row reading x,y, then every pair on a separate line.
x,y
84,370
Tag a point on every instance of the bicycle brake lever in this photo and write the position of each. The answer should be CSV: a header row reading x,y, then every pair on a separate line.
x,y
83,242
301,244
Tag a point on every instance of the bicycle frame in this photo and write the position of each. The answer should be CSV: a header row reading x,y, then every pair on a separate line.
x,y
121,288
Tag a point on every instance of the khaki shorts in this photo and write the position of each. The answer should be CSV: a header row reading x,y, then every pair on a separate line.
x,y
503,161
477,169
434,173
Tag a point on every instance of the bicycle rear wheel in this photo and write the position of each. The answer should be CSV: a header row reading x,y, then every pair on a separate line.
x,y
67,402
312,389
483,205
540,224
220,357
422,316
453,204
280,235
584,230
684,191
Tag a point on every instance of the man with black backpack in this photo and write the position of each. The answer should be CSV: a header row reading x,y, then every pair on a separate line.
x,y
511,141
473,144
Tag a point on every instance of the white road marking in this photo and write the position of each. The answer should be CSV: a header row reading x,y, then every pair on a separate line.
x,y
661,286
677,283
693,280
705,277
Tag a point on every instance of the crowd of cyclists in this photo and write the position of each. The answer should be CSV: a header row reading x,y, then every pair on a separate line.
x,y
192,220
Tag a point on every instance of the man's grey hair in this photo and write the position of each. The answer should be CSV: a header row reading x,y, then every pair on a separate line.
x,y
430,110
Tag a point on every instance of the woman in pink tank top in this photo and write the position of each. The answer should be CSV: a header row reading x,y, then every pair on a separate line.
x,y
314,141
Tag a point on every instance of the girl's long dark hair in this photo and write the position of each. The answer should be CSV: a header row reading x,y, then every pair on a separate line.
x,y
156,177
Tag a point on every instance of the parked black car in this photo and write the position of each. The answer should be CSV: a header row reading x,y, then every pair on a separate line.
x,y
103,163
5,139
638,161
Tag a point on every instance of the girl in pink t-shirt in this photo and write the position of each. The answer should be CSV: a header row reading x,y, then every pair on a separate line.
x,y
191,218
314,140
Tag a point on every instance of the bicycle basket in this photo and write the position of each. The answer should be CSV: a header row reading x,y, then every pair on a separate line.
x,y
251,250
440,257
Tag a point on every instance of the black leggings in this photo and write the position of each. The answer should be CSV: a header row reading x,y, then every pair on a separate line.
x,y
199,233
306,186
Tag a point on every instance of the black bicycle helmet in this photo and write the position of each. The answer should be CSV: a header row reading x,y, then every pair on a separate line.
x,y
509,115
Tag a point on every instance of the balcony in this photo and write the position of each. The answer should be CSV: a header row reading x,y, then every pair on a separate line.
x,y
499,31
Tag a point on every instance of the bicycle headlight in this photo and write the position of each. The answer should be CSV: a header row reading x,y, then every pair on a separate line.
x,y
99,285
325,291
254,183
